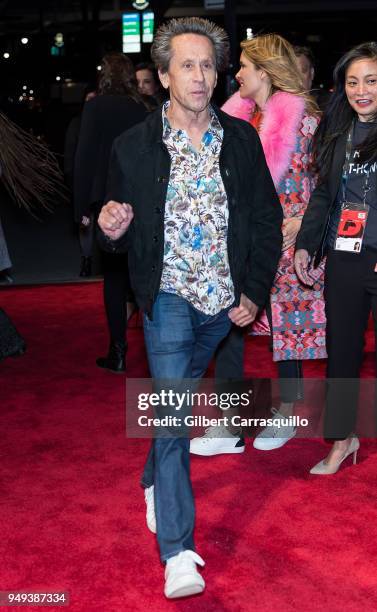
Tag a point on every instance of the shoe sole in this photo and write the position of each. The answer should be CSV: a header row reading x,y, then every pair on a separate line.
x,y
184,589
220,451
110,370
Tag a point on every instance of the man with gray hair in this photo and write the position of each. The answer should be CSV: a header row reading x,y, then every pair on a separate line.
x,y
192,200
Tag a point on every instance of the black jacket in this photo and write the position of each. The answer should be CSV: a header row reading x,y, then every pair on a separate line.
x,y
70,147
103,119
315,223
139,174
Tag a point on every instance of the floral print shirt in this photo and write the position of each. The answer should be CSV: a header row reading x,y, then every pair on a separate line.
x,y
196,265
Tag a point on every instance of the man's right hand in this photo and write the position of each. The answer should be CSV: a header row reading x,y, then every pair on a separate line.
x,y
115,218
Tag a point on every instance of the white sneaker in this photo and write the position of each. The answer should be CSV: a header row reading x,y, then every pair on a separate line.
x,y
151,515
181,576
272,436
217,440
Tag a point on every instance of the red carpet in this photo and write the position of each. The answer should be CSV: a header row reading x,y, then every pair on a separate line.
x,y
72,515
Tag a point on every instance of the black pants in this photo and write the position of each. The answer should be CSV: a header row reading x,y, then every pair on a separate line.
x,y
230,355
87,237
350,296
116,292
229,365
116,284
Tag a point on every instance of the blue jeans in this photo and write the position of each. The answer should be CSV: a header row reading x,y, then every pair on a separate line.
x,y
180,342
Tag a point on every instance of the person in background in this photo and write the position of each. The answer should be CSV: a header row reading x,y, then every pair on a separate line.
x,y
273,99
86,233
306,64
32,177
5,262
214,215
117,107
148,83
345,152
305,60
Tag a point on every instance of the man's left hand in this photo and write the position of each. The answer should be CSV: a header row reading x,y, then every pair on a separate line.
x,y
245,313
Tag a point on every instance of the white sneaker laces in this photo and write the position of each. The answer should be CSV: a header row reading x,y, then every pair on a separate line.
x,y
272,431
183,562
213,429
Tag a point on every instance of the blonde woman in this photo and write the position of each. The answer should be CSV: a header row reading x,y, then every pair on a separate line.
x,y
273,99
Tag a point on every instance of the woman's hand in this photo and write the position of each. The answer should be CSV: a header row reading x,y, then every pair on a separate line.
x,y
302,261
290,229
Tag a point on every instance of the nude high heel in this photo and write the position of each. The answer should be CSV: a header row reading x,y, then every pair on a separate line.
x,y
323,468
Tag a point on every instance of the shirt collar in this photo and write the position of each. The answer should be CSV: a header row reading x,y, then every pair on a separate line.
x,y
214,126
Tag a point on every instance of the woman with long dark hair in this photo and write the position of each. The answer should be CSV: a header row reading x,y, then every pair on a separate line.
x,y
148,83
341,220
117,107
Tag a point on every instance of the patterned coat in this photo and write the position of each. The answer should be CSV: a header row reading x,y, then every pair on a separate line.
x,y
298,312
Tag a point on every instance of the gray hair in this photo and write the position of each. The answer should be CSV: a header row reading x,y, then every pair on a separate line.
x,y
161,52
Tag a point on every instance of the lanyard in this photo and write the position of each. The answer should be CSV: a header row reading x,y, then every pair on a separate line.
x,y
366,188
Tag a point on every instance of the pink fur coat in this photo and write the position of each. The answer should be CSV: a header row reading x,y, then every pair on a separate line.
x,y
282,118
286,131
